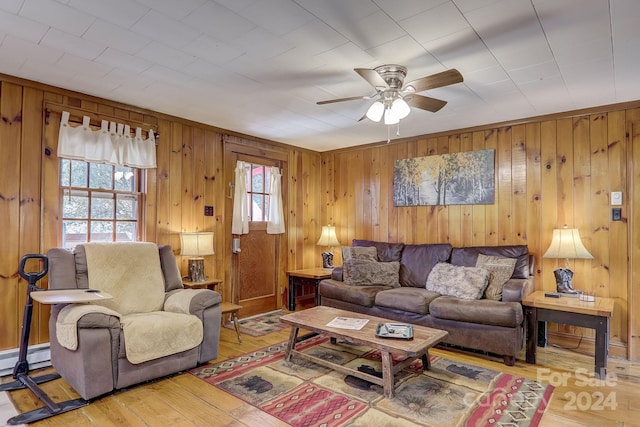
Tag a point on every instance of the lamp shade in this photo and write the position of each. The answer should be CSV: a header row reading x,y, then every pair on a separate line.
x,y
401,108
566,243
196,244
328,236
376,111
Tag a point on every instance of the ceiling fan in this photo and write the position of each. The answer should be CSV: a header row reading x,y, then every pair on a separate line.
x,y
395,98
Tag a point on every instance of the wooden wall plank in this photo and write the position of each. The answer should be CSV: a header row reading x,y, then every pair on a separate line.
x,y
30,206
518,235
479,211
10,132
618,230
549,197
533,192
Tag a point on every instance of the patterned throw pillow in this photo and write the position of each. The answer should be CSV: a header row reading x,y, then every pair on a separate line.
x,y
501,270
362,272
359,252
458,281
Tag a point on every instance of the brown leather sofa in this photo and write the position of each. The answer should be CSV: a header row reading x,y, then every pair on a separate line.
x,y
487,325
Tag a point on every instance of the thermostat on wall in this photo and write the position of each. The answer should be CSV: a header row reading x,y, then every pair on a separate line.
x,y
616,198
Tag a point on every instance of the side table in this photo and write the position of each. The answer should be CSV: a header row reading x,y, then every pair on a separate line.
x,y
225,307
570,311
305,276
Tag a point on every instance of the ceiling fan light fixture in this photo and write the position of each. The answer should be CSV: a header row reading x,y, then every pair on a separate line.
x,y
375,112
400,108
391,117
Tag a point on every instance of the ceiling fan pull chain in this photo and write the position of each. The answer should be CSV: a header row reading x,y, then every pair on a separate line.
x,y
388,134
398,130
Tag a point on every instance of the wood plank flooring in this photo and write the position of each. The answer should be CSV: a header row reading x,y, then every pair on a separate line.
x,y
184,400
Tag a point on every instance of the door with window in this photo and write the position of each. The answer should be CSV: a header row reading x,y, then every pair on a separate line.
x,y
256,270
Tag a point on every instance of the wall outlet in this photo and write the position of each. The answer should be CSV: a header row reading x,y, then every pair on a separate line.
x,y
616,214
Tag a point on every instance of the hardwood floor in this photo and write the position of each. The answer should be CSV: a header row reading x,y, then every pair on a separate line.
x,y
183,400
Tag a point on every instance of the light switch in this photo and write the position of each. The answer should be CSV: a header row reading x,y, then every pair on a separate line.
x,y
616,198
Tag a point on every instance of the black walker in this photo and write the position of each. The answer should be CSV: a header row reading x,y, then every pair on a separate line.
x,y
21,369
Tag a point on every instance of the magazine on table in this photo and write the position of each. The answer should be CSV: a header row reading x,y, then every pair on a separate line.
x,y
348,323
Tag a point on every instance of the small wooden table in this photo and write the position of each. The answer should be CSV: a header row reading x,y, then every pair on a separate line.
x,y
570,311
208,283
225,307
315,319
311,276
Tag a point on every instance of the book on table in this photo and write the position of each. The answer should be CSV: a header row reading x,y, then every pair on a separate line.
x,y
348,323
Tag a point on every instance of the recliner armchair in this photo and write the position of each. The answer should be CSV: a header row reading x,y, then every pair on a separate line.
x,y
151,328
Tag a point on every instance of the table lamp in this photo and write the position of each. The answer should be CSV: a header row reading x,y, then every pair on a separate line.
x,y
566,244
196,246
328,238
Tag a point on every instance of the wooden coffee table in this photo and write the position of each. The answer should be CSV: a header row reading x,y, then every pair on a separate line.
x,y
315,319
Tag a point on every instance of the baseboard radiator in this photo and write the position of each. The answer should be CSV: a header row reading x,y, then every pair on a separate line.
x,y
38,356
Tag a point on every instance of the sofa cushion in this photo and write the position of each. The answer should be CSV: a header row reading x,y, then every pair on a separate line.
x,y
360,295
500,270
458,281
418,260
486,312
387,252
414,300
469,255
362,272
359,252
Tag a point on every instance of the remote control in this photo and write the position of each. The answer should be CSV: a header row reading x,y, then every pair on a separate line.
x,y
552,294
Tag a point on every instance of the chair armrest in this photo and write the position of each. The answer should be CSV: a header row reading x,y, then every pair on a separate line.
x,y
516,289
336,274
92,369
191,301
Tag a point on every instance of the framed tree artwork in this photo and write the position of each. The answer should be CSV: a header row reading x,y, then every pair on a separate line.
x,y
466,178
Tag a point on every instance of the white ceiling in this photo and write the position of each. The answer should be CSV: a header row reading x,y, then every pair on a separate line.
x,y
259,66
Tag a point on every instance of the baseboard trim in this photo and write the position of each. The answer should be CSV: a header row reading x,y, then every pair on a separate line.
x,y
38,356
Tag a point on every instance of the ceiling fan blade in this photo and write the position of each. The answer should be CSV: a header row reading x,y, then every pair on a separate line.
x,y
372,77
351,98
433,81
425,102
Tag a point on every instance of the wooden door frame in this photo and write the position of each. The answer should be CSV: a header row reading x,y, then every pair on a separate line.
x,y
231,149
633,248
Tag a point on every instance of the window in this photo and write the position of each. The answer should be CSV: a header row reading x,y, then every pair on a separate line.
x,y
100,203
258,190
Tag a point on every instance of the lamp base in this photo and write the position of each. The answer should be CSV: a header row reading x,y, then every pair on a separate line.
x,y
327,260
564,283
196,270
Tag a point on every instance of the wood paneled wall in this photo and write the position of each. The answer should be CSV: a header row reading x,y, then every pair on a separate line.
x,y
190,175
549,172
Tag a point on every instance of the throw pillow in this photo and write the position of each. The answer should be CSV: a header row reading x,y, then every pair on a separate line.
x,y
500,269
359,252
458,281
363,272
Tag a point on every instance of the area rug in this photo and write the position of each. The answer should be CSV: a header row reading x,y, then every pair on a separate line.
x,y
260,325
302,393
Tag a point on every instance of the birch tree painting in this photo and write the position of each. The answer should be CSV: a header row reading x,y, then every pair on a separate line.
x,y
448,179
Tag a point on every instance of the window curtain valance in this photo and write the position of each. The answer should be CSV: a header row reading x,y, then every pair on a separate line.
x,y
112,144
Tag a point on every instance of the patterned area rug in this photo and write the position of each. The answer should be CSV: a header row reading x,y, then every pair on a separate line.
x,y
302,393
260,325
